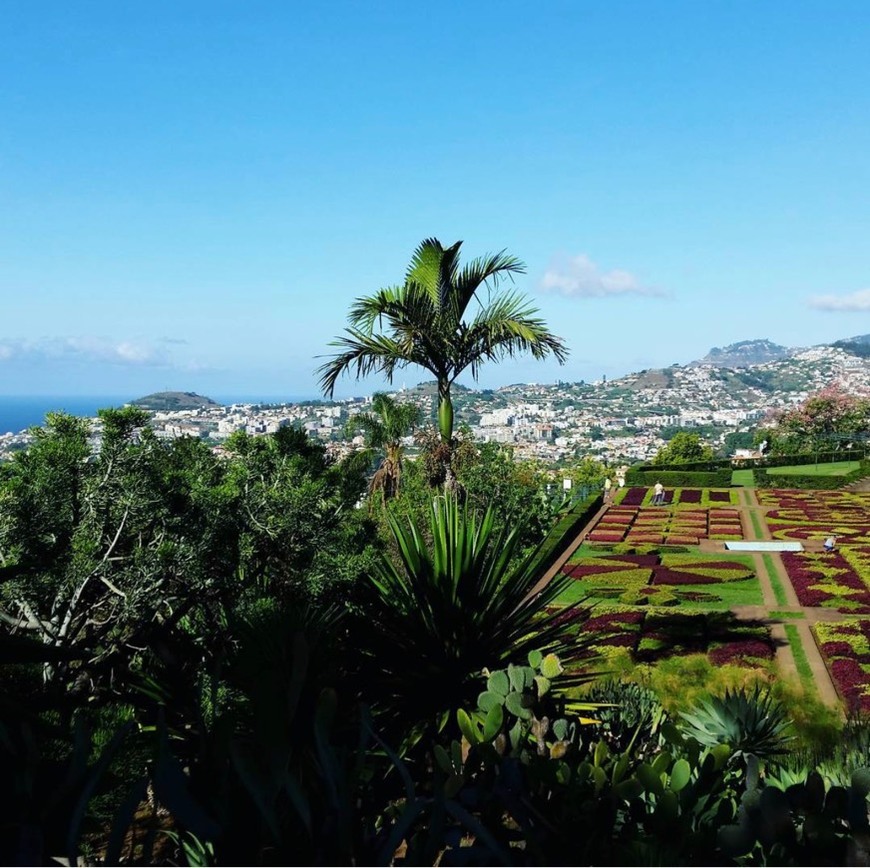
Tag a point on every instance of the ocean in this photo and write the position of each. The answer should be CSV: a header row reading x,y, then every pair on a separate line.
x,y
19,412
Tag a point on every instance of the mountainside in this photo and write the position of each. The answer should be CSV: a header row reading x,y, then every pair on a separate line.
x,y
779,382
174,401
745,353
857,346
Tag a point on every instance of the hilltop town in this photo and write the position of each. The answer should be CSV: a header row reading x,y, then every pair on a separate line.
x,y
626,419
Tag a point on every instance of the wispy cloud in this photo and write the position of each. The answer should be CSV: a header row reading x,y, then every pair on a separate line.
x,y
578,276
854,301
132,353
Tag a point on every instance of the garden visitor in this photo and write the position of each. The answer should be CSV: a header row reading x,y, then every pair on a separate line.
x,y
830,543
620,480
608,485
659,496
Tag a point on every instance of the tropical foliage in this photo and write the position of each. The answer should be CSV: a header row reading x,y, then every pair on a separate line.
x,y
110,550
430,321
749,722
442,612
384,428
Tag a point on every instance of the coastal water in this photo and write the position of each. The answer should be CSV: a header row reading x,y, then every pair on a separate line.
x,y
18,412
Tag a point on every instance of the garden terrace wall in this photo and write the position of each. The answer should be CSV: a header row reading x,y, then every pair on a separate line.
x,y
565,530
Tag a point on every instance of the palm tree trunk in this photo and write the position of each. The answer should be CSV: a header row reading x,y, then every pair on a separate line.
x,y
445,428
445,412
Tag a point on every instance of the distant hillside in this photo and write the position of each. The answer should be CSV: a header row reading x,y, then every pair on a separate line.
x,y
174,401
857,346
429,388
745,353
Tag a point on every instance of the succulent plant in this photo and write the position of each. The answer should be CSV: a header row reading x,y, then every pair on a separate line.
x,y
750,722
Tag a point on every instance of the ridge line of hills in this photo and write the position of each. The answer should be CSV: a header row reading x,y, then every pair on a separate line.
x,y
758,365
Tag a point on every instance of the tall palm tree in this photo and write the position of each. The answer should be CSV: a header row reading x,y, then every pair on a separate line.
x,y
384,429
426,322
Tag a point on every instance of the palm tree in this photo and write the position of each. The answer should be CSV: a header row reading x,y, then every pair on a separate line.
x,y
384,429
426,322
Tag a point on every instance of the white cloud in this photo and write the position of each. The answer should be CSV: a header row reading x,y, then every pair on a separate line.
x,y
580,277
131,353
854,301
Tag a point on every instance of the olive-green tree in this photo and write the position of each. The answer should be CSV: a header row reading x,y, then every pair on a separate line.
x,y
683,447
108,543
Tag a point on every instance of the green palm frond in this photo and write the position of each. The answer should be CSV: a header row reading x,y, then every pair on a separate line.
x,y
507,327
423,322
366,311
434,269
365,354
489,270
398,419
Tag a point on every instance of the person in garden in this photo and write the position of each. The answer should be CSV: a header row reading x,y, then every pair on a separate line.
x,y
830,543
608,487
659,494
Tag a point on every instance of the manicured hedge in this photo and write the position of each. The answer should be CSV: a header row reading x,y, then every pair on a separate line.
x,y
707,466
720,478
769,479
774,461
565,529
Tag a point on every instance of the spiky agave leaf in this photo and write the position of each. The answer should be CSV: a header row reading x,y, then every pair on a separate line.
x,y
450,607
751,722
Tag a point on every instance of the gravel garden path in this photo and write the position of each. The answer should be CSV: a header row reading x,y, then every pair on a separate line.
x,y
788,609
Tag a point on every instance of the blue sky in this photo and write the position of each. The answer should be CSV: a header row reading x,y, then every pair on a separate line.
x,y
193,194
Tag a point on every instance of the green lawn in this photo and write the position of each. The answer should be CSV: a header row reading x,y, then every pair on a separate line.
x,y
805,673
745,593
773,575
742,477
831,468
756,525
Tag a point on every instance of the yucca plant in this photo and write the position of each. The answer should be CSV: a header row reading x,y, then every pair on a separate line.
x,y
445,611
751,722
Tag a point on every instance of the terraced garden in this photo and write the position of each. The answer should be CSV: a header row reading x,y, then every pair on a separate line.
x,y
686,526
663,585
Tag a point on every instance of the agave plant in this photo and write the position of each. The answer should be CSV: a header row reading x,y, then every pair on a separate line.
x,y
751,722
445,611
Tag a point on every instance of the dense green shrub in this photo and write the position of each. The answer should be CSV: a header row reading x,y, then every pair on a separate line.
x,y
768,478
680,478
